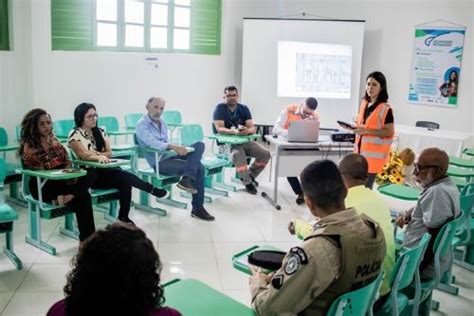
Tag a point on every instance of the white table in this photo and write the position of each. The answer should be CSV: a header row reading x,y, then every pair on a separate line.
x,y
292,158
419,138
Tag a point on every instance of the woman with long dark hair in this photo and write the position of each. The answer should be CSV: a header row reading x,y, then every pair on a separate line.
x,y
90,143
375,125
41,150
116,272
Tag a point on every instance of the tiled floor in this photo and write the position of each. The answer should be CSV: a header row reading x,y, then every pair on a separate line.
x,y
188,248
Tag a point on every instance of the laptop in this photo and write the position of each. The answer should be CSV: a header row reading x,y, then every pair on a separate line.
x,y
303,131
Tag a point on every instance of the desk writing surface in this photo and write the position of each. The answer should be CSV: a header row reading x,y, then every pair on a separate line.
x,y
95,164
9,147
240,260
55,174
419,138
194,298
233,139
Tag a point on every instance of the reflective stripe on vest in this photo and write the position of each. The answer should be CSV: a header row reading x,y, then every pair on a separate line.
x,y
375,149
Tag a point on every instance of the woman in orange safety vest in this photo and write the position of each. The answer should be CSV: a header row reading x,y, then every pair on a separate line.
x,y
375,125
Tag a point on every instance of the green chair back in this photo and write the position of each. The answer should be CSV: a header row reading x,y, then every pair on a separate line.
x,y
357,302
190,134
442,242
463,232
109,123
131,120
62,128
172,117
3,171
408,263
3,137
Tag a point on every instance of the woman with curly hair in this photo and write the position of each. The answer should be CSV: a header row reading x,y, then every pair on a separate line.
x,y
41,150
116,272
89,142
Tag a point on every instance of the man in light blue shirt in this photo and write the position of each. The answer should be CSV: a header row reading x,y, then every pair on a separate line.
x,y
151,131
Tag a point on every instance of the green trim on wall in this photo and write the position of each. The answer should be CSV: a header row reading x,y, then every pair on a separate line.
x,y
4,29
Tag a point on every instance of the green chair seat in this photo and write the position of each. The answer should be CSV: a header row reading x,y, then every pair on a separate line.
x,y
468,151
161,180
399,191
460,172
464,163
49,211
7,214
460,183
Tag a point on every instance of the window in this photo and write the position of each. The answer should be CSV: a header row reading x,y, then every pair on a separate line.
x,y
4,31
185,26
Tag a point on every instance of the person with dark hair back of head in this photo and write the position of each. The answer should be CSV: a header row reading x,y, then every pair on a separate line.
x,y
375,125
313,275
306,110
40,150
90,142
116,272
233,118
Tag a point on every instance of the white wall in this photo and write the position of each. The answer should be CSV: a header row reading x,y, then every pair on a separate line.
x,y
15,67
118,83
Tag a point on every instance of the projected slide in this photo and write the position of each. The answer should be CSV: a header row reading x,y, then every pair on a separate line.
x,y
314,69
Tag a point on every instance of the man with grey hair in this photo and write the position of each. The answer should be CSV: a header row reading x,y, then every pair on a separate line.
x,y
151,131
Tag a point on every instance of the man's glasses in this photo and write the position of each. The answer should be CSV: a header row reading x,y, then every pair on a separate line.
x,y
419,168
231,95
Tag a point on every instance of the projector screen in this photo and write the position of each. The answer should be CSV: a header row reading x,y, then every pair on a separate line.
x,y
286,60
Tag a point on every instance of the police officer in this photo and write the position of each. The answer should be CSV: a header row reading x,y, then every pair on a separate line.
x,y
344,252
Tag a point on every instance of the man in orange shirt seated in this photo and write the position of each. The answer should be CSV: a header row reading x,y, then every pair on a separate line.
x,y
291,113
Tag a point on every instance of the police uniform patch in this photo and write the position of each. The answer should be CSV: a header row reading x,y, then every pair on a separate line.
x,y
277,281
292,265
300,253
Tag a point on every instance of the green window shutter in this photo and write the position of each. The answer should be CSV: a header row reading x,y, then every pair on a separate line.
x,y
206,27
4,32
72,24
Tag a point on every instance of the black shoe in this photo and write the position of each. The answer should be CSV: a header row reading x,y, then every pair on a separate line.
x,y
300,199
186,184
159,193
250,188
254,182
202,214
126,220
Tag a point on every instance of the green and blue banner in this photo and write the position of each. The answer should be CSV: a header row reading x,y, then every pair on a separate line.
x,y
436,66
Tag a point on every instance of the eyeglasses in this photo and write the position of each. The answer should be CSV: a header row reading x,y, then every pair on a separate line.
x,y
419,168
231,95
91,116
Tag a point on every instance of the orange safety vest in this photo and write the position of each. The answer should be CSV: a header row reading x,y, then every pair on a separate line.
x,y
292,115
374,148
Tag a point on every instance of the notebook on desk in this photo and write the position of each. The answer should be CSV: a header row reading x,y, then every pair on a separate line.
x,y
304,131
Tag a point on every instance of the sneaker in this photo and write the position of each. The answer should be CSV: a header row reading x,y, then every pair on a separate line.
x,y
300,199
159,193
186,184
254,182
202,214
250,188
126,220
